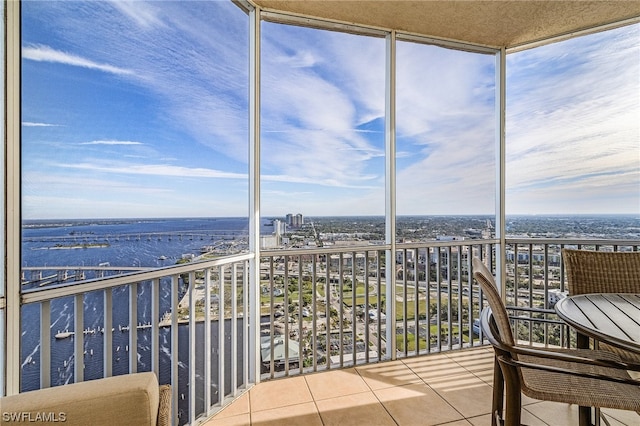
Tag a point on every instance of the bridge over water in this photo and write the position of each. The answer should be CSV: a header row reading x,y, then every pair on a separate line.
x,y
149,236
43,275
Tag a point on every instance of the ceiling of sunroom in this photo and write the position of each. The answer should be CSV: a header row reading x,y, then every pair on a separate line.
x,y
491,23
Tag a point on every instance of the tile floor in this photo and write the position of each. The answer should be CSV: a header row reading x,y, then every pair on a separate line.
x,y
451,389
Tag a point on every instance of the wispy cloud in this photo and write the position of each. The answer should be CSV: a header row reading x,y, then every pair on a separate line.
x,y
572,124
300,59
155,170
142,13
32,124
43,53
112,142
313,115
164,170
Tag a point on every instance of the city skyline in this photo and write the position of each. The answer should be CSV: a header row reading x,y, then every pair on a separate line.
x,y
136,109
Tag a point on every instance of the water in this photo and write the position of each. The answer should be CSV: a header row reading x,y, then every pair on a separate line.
x,y
126,242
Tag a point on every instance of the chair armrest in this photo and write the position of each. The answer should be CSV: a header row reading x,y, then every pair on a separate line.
x,y
586,357
560,370
594,358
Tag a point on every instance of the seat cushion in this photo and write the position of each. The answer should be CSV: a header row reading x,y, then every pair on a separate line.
x,y
130,399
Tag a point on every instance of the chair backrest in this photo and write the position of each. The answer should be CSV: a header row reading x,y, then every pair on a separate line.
x,y
485,278
602,271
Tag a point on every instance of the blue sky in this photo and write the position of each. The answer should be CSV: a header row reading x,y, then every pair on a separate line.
x,y
139,109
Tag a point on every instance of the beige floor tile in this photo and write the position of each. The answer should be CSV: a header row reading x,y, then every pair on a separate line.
x,y
237,407
528,401
354,410
614,422
484,420
417,404
279,393
386,374
292,415
526,419
474,361
530,419
471,354
335,383
485,376
553,413
458,423
239,420
623,417
466,393
433,367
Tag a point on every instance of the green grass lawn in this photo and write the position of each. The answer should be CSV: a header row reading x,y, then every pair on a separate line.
x,y
411,338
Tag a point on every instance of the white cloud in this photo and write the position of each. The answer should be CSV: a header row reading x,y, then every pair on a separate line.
x,y
142,13
154,170
112,142
300,59
311,115
573,127
32,124
42,53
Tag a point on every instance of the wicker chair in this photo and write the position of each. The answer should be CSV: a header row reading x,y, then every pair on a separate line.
x,y
603,272
585,377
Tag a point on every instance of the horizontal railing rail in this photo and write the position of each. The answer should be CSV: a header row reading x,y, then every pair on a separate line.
x,y
61,290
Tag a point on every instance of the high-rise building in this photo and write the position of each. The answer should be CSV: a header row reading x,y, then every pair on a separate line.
x,y
295,221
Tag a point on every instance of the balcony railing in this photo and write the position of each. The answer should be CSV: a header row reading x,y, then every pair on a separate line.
x,y
320,309
187,323
329,308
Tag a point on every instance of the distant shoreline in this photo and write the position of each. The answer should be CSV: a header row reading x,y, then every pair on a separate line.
x,y
75,246
62,222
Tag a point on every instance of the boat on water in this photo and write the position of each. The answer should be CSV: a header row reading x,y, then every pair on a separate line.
x,y
163,257
64,334
124,328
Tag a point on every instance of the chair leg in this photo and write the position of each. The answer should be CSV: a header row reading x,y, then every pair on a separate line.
x,y
584,416
513,409
497,403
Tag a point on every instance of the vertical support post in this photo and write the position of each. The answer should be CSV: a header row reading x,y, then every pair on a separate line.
x,y
192,348
340,295
207,341
253,327
221,336
390,192
45,344
108,332
501,75
155,328
314,311
245,316
233,350
12,348
133,328
78,338
175,281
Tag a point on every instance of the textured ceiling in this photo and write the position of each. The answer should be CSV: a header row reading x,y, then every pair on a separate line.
x,y
491,23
